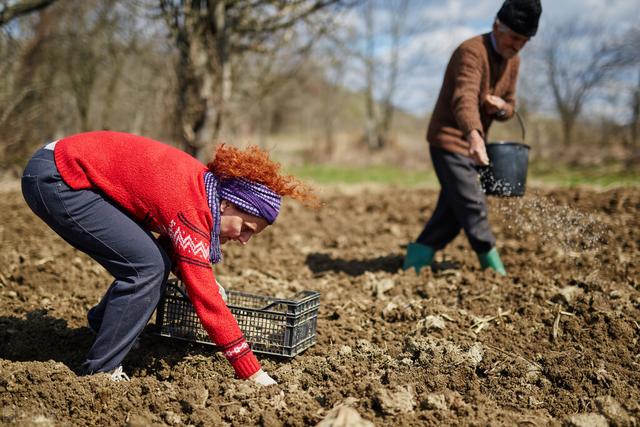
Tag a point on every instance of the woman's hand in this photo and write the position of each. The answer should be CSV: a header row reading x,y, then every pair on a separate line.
x,y
223,293
262,378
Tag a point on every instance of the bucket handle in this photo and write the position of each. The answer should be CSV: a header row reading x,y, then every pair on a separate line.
x,y
521,124
519,117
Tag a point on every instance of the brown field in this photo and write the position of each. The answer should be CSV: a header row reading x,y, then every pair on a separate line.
x,y
556,342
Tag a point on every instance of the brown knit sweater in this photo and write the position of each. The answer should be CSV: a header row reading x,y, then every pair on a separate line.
x,y
474,71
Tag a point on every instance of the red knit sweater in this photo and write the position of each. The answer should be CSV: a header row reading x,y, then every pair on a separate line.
x,y
163,189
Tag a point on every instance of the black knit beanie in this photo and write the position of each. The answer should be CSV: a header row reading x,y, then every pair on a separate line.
x,y
521,16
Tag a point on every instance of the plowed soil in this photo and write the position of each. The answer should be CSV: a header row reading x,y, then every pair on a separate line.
x,y
554,343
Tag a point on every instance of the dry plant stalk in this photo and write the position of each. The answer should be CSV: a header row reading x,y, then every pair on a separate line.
x,y
480,324
556,322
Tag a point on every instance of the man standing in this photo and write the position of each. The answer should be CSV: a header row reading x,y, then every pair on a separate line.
x,y
479,86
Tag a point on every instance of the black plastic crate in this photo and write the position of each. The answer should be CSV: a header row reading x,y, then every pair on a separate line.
x,y
270,325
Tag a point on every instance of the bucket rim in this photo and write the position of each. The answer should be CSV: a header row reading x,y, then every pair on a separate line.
x,y
509,143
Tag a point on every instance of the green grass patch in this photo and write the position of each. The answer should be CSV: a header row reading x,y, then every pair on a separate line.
x,y
612,175
328,174
563,176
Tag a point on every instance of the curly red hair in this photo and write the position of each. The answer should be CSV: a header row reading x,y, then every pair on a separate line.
x,y
255,165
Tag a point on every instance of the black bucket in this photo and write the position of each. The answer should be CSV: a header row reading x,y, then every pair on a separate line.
x,y
506,175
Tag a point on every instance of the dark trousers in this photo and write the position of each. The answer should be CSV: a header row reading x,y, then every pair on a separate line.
x,y
92,223
461,204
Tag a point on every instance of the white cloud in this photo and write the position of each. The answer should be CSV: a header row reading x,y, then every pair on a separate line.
x,y
607,11
437,45
436,27
459,10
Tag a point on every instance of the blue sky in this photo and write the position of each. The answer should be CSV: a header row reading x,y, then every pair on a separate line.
x,y
435,27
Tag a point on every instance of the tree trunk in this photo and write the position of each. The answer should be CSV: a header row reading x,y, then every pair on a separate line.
x,y
205,75
216,94
568,122
371,121
208,35
634,131
635,116
388,109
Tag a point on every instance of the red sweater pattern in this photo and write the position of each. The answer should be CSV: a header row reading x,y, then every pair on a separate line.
x,y
163,189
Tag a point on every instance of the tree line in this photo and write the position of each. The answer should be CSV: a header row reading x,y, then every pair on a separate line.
x,y
193,71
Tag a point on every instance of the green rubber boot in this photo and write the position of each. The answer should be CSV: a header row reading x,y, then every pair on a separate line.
x,y
418,256
492,260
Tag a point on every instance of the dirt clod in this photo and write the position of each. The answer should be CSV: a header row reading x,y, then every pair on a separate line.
x,y
556,342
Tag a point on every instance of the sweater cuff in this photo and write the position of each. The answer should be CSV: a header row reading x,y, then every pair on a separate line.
x,y
242,359
246,366
466,128
466,134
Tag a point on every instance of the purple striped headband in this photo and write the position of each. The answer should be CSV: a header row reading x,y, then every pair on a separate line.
x,y
253,198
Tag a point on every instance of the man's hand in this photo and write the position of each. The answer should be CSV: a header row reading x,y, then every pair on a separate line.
x,y
477,149
494,104
262,378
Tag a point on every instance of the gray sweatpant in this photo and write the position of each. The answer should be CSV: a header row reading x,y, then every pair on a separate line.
x,y
92,223
461,204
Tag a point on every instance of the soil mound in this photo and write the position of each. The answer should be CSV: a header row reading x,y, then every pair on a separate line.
x,y
555,342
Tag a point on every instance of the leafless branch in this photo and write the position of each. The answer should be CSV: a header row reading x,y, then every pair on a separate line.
x,y
23,7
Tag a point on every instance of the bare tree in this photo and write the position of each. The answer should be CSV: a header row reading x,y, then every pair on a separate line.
x,y
635,120
27,77
397,31
9,11
87,46
329,98
378,124
631,52
79,65
574,72
19,92
273,79
209,36
371,120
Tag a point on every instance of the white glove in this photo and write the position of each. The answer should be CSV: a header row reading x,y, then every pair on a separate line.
x,y
262,378
223,293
